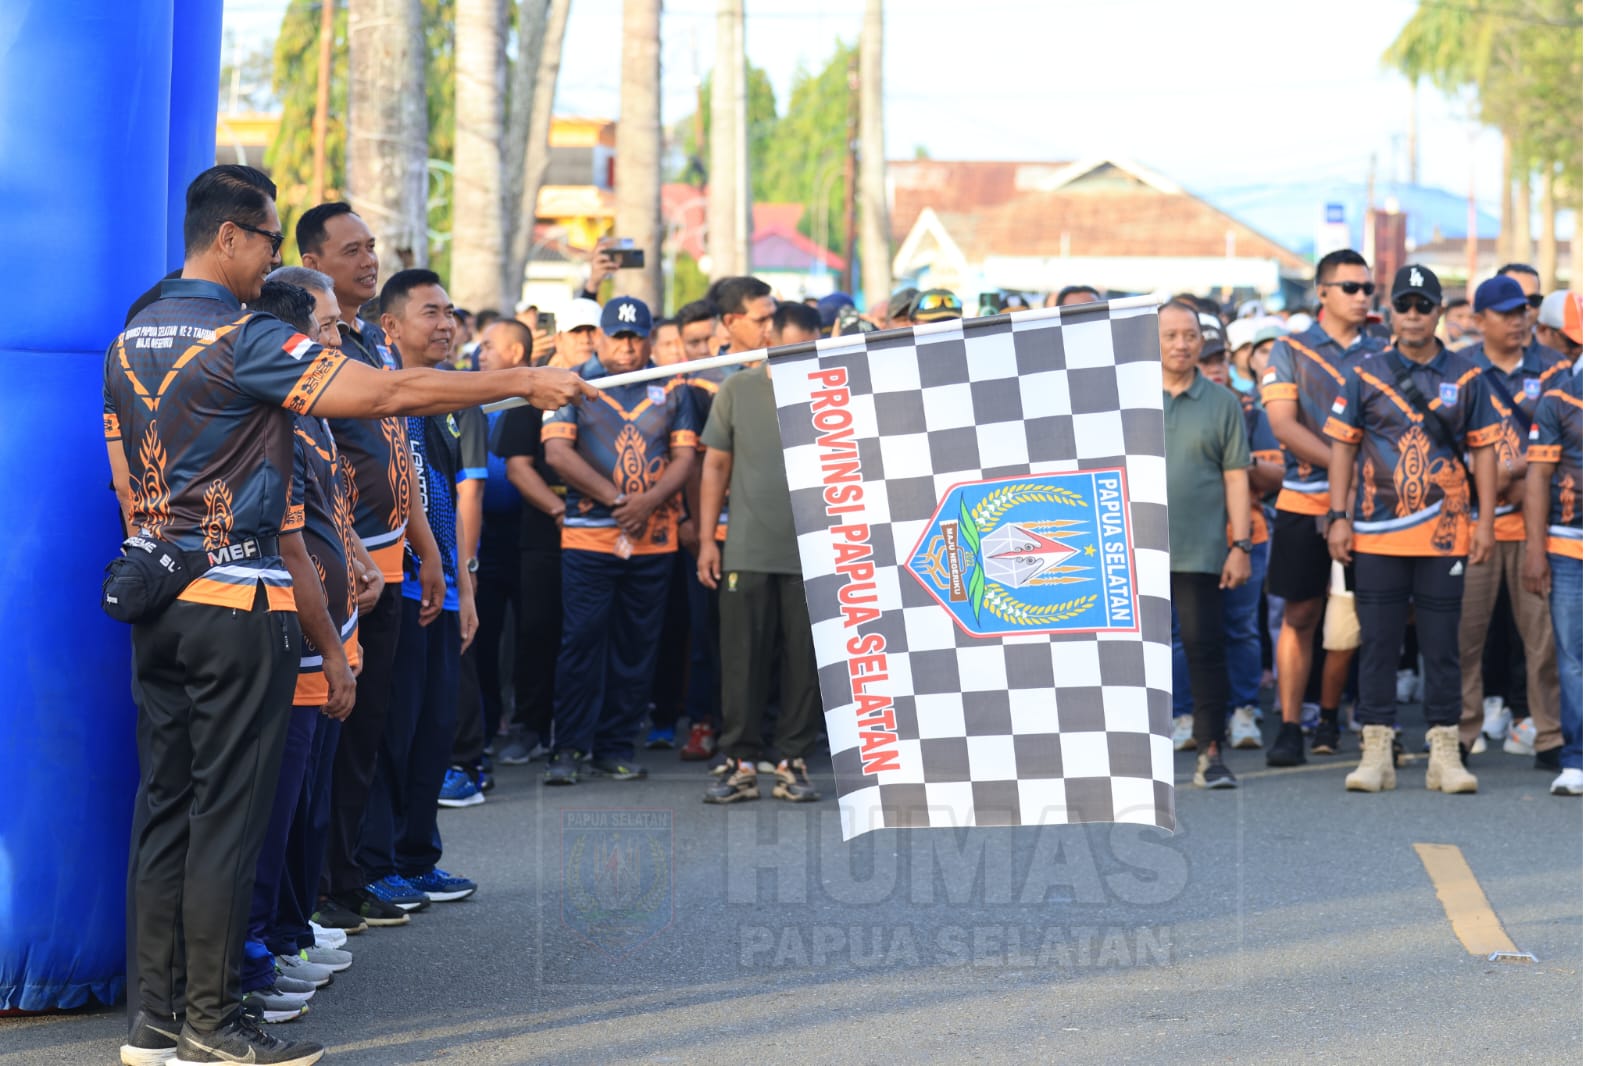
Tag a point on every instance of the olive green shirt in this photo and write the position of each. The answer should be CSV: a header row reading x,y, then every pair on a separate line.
x,y
744,421
1205,436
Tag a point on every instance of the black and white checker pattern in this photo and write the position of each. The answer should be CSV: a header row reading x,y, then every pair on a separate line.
x,y
1018,730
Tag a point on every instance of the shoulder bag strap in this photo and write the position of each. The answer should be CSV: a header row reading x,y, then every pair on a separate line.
x,y
1430,418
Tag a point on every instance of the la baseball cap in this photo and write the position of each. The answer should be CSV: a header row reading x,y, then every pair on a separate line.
x,y
1417,280
626,314
578,314
1499,293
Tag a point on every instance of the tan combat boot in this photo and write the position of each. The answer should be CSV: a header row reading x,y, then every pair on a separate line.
x,y
1376,771
1445,772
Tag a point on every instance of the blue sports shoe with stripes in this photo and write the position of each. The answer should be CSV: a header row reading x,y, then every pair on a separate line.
x,y
397,891
443,886
460,789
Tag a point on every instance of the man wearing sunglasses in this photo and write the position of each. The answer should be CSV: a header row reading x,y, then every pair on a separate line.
x,y
1305,374
935,305
1527,278
1517,370
1400,427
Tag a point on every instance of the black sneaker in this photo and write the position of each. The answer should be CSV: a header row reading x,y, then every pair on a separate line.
x,y
372,910
794,784
1289,746
563,769
617,769
1211,772
152,1040
735,784
241,1040
331,914
1326,739
1549,760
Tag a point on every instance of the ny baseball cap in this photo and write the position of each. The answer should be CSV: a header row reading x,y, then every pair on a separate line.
x,y
578,314
626,314
1212,342
1420,281
1500,293
1562,311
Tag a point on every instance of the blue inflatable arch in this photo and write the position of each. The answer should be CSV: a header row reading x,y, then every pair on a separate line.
x,y
107,111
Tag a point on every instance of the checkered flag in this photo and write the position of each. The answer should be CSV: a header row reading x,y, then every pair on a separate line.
x,y
981,507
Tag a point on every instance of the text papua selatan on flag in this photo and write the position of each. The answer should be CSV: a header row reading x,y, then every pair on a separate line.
x,y
981,508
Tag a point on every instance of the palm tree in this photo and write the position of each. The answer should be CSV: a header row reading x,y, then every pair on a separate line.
x,y
387,140
639,147
477,263
541,29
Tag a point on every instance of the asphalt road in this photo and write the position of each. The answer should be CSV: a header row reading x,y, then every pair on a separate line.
x,y
627,922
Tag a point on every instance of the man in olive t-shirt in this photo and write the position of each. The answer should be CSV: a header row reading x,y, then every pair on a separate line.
x,y
762,597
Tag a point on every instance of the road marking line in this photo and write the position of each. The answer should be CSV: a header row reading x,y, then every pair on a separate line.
x,y
1470,913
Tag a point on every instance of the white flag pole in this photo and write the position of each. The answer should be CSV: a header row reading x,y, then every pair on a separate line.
x,y
760,355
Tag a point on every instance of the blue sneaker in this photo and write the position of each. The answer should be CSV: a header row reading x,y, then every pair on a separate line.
x,y
397,892
660,739
443,886
460,789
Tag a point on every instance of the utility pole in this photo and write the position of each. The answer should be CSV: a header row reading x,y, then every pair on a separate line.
x,y
852,129
873,193
1411,135
319,121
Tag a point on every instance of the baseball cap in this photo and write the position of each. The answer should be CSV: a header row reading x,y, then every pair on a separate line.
x,y
935,305
1562,311
1242,332
1270,330
829,306
1420,281
1013,302
900,303
1499,293
578,314
626,314
1299,322
1212,342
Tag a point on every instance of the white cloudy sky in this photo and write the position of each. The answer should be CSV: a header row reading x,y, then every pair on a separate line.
x,y
1211,94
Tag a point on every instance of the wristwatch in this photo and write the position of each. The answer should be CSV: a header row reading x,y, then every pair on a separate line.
x,y
1334,516
1243,544
472,565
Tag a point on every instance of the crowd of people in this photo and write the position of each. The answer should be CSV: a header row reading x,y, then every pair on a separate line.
x,y
321,522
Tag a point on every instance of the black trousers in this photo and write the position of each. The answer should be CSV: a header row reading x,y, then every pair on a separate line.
x,y
672,658
538,640
1198,602
497,595
215,687
1387,587
355,760
466,749
764,619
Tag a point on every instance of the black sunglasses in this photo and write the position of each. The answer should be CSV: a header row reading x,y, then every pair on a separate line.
x,y
1350,288
276,238
1535,300
1420,304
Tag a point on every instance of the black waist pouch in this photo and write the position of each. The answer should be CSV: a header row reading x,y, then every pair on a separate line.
x,y
142,581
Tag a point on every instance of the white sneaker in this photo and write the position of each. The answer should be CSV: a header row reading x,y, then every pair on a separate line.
x,y
1183,733
1407,686
1480,745
329,938
1519,738
1496,717
1242,729
1568,783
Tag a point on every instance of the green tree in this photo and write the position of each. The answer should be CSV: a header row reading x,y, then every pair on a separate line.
x,y
1520,64
804,161
761,112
